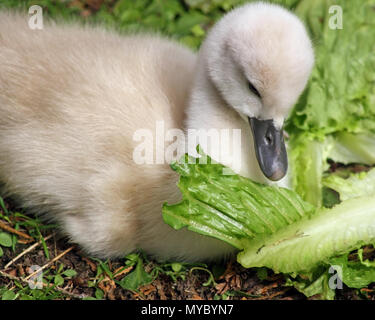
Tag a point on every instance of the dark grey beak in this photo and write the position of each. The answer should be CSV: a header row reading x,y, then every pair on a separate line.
x,y
269,148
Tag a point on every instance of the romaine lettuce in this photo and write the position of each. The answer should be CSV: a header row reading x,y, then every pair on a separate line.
x,y
273,227
356,185
335,117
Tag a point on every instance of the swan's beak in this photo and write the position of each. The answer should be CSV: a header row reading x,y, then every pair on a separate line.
x,y
269,148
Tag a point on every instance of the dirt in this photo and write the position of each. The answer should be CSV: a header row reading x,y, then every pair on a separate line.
x,y
237,282
163,287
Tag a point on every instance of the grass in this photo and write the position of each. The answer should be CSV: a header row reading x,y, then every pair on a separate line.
x,y
185,20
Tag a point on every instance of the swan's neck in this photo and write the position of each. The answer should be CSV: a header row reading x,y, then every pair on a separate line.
x,y
218,128
206,108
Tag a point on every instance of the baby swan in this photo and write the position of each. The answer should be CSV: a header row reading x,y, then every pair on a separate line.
x,y
72,101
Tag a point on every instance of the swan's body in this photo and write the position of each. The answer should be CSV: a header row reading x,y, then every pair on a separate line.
x,y
70,101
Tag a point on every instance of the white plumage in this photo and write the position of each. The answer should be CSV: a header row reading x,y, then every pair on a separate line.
x,y
72,97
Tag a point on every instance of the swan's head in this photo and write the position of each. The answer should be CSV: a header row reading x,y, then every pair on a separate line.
x,y
259,58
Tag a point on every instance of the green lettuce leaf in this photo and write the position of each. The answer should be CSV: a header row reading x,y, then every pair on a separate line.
x,y
355,274
304,245
273,227
318,286
349,148
308,157
230,207
356,185
341,95
335,116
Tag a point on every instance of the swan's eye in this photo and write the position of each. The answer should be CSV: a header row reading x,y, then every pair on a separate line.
x,y
254,90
